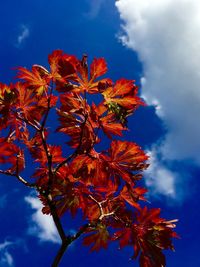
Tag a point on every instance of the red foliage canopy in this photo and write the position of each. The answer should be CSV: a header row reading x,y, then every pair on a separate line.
x,y
102,184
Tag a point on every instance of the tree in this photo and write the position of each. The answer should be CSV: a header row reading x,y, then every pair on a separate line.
x,y
102,185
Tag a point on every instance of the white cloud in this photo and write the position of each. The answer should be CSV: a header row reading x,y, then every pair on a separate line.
x,y
23,35
158,178
41,225
165,34
5,244
94,8
6,259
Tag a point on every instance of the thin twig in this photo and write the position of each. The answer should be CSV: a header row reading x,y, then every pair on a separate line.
x,y
28,122
48,108
64,162
22,180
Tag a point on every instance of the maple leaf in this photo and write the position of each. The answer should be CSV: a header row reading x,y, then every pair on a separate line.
x,y
7,99
124,157
69,73
91,169
110,126
63,66
67,193
12,154
26,101
133,194
63,70
74,121
149,235
97,68
123,93
152,235
34,79
40,155
53,60
121,99
107,122
124,236
98,239
87,83
65,197
8,151
41,174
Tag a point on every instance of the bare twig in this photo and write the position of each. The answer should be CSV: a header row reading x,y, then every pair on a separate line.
x,y
22,180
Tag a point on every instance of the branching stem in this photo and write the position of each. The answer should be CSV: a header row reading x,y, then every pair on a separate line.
x,y
102,214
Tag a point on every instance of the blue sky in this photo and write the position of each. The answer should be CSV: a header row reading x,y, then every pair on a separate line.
x,y
156,44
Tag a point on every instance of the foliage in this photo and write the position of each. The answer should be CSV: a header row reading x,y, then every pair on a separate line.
x,y
103,185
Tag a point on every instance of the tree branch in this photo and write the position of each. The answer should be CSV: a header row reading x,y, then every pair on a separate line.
x,y
48,108
64,162
65,243
56,218
60,254
77,149
22,180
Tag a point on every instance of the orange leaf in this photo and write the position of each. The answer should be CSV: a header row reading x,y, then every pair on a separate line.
x,y
124,157
99,239
34,79
97,68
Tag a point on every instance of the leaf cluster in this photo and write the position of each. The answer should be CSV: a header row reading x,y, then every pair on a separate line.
x,y
103,185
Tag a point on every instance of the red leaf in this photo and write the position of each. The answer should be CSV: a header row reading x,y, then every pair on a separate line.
x,y
39,82
124,157
124,94
98,239
90,169
39,154
97,68
133,195
122,87
63,67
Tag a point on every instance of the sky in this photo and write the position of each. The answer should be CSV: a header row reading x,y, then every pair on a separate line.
x,y
157,43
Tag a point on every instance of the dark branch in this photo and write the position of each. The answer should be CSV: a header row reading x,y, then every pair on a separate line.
x,y
68,240
48,108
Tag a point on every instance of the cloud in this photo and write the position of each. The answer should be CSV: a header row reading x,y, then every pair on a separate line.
x,y
94,8
41,225
23,35
159,178
165,34
6,258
